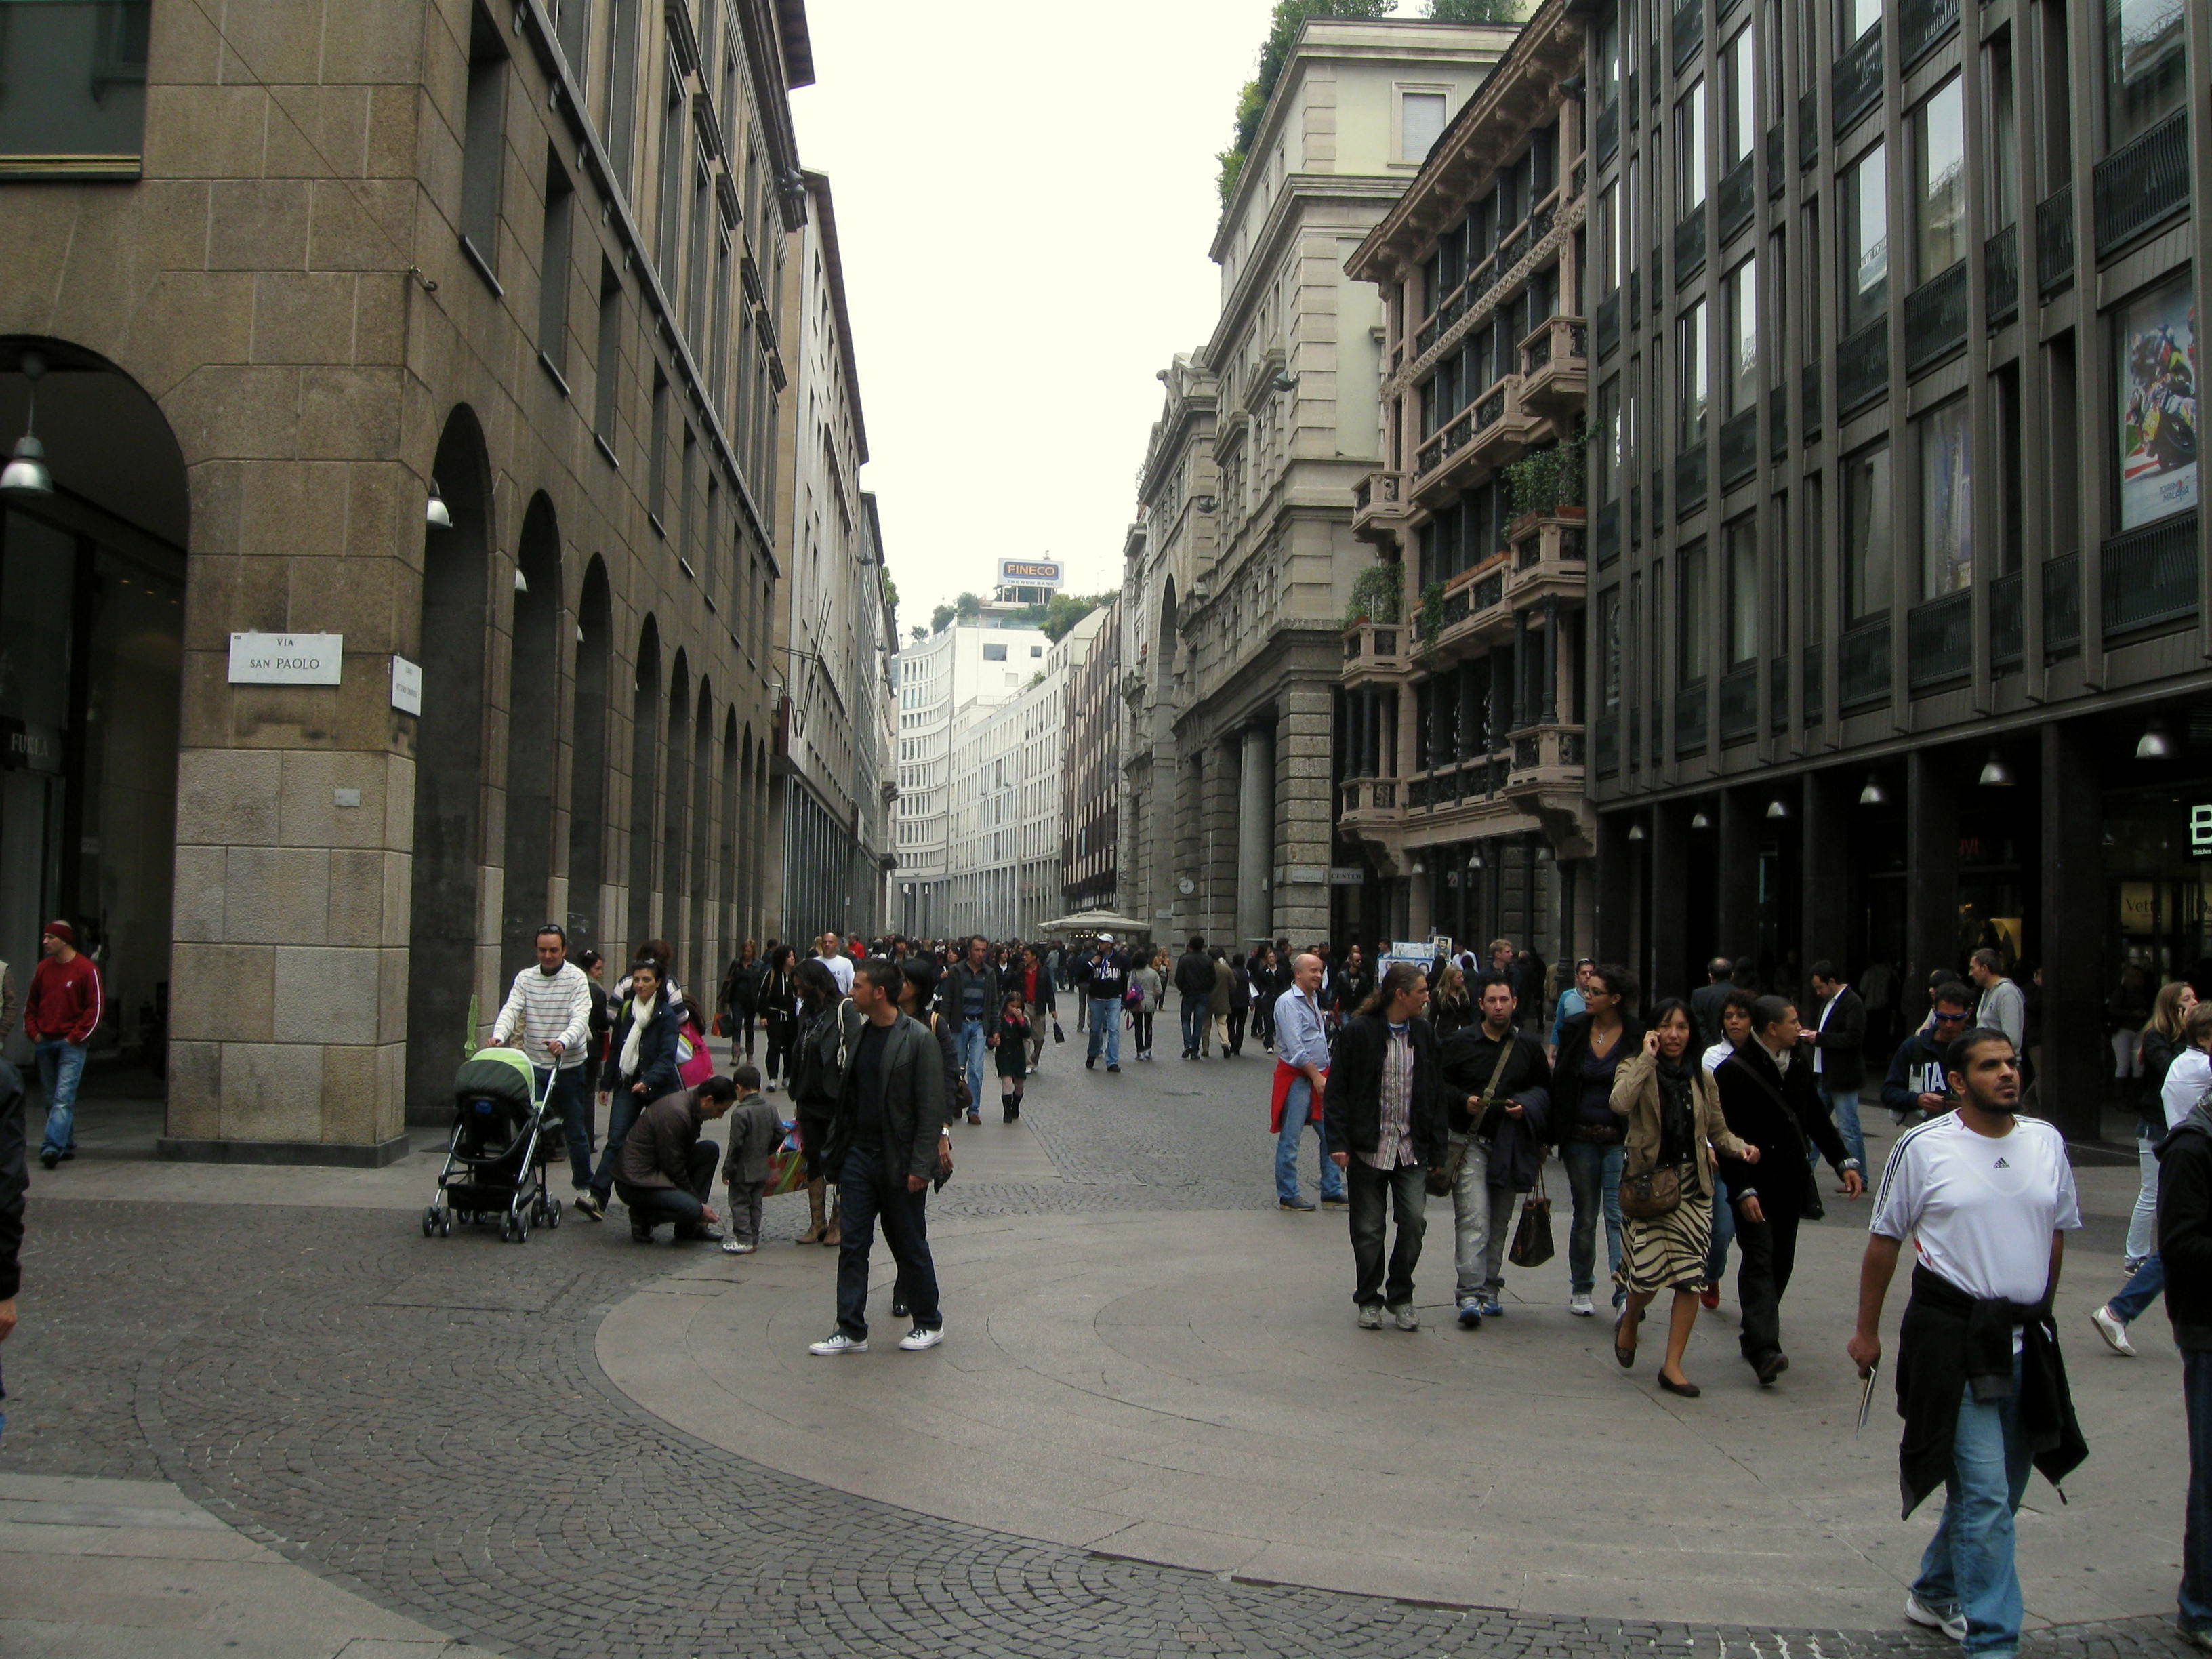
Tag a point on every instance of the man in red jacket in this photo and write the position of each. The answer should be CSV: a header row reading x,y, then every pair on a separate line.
x,y
65,1006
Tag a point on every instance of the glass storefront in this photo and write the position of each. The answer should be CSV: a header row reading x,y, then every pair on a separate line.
x,y
2158,875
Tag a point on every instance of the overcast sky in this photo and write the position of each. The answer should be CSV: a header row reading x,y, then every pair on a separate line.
x,y
1025,196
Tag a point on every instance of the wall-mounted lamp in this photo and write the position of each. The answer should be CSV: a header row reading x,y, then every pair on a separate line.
x,y
521,581
2156,743
435,510
1636,832
1873,794
1777,808
1700,821
1284,381
1205,503
1995,775
26,474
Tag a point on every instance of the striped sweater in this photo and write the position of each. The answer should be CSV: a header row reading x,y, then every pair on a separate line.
x,y
545,1008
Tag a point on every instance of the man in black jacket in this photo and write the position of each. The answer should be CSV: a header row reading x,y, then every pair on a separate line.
x,y
1768,1097
1839,1037
666,1171
1383,1104
2184,1245
1706,1001
1496,1088
1918,1086
1193,978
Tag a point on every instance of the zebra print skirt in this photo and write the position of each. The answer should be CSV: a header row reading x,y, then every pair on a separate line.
x,y
1667,1253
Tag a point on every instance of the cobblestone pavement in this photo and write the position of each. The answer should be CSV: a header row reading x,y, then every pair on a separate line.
x,y
423,1421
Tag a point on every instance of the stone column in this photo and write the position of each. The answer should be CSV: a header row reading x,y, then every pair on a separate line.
x,y
1304,813
1931,865
1256,835
2074,1060
1219,881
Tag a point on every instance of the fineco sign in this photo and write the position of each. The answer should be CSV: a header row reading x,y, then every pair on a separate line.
x,y
285,659
1031,573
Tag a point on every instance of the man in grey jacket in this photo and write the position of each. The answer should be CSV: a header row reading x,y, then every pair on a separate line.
x,y
882,1146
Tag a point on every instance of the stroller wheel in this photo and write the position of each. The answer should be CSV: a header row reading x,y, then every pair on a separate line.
x,y
507,1230
521,1230
430,1221
553,1213
446,1226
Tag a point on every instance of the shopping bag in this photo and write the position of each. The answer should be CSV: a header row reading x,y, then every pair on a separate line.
x,y
695,1064
1532,1238
1058,1036
786,1164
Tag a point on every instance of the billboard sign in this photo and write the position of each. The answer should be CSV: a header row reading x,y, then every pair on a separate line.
x,y
1031,573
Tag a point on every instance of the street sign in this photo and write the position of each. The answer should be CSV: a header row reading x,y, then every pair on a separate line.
x,y
406,686
1346,875
285,659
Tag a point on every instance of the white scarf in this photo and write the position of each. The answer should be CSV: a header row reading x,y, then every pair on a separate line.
x,y
640,1015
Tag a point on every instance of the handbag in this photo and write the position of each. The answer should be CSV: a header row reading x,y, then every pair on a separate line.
x,y
1654,1193
1058,1036
1532,1238
1443,1176
695,1062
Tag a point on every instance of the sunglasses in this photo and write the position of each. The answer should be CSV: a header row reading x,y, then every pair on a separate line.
x,y
1943,1018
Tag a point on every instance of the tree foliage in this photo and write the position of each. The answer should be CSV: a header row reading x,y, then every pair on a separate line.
x,y
1475,11
968,607
941,618
1275,53
1056,618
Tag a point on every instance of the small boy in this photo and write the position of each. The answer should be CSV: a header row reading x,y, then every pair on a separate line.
x,y
754,1134
1013,1052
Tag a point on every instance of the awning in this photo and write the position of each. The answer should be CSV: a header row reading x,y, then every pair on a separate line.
x,y
1095,921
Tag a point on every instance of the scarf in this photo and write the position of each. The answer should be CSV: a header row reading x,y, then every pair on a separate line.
x,y
640,1015
1678,1115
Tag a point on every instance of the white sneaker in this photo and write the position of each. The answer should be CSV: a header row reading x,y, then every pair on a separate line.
x,y
1579,1305
917,1339
1407,1318
736,1247
2114,1333
1953,1625
836,1343
1370,1317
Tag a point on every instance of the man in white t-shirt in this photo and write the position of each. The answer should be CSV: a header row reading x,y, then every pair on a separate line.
x,y
829,952
1987,1198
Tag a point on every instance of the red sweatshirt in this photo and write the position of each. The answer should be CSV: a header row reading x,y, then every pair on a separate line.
x,y
65,999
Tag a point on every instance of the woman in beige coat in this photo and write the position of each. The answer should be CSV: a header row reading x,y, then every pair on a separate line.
x,y
1673,1124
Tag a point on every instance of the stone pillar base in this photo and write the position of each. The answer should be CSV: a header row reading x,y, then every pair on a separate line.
x,y
377,1156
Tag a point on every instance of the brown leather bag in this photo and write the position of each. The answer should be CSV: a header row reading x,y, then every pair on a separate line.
x,y
1656,1192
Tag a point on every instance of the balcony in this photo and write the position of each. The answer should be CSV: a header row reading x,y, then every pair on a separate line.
x,y
1921,27
1690,719
1739,702
2054,240
1777,160
1689,480
1936,319
1555,367
1367,804
1488,434
1862,665
1605,740
1737,198
1690,246
1689,32
2007,623
1862,368
1473,612
1939,639
1374,651
1550,556
2061,607
1547,757
1379,507
1856,82
1739,446
2001,275
2143,184
1607,322
2150,575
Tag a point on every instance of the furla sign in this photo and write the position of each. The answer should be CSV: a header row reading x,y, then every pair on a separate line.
x,y
285,659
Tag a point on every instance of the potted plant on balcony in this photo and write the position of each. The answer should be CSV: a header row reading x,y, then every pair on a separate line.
x,y
1432,612
1376,593
1548,484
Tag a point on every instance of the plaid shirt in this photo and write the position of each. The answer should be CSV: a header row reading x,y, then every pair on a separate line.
x,y
1394,1140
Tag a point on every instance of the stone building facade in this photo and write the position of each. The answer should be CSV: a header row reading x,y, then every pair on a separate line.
x,y
289,267
1462,671
1091,788
1268,429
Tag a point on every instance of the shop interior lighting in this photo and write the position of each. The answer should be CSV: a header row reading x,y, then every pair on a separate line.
x,y
2156,743
1995,775
1700,821
1873,794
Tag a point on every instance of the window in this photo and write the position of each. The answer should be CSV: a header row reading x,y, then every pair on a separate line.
x,y
553,266
2002,141
1608,636
1865,241
1690,151
1036,651
2155,378
2005,386
995,653
1740,550
1608,441
2145,66
76,81
1421,123
1938,155
572,27
1739,294
483,141
685,549
1607,231
656,465
1606,57
1692,630
1693,374
1946,512
608,365
669,251
1865,534
1857,16
1739,121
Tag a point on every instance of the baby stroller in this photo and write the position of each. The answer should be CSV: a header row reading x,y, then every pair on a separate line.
x,y
495,1161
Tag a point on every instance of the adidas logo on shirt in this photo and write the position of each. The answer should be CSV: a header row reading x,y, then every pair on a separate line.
x,y
2000,1164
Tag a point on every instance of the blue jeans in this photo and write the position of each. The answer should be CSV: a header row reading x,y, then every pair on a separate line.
x,y
1105,1030
2196,1534
623,1108
1297,1114
1723,1232
1593,1177
1843,1105
684,1205
1193,1025
867,1194
571,1102
975,1054
1969,1566
2142,1290
61,1067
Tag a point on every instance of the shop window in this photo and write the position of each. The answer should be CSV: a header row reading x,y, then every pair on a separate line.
x,y
2146,65
1865,240
74,74
1947,514
1865,534
1939,143
2155,339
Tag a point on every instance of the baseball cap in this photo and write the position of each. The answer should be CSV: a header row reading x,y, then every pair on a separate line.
x,y
1105,938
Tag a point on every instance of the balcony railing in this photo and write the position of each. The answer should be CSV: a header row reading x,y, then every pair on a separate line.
x,y
1777,160
1555,361
2061,607
1368,795
1607,322
1378,505
1549,754
1689,480
1689,32
1739,446
1939,639
1921,24
1810,692
1690,246
1862,665
1605,532
2150,575
1935,318
2007,621
1739,703
1808,129
2001,274
1690,718
1607,136
2054,240
1605,743
1739,195
2142,184
1373,649
1862,367
1856,84
1808,401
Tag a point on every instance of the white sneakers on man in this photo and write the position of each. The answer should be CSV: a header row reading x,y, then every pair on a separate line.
x,y
917,1339
836,1343
1579,1304
1952,1624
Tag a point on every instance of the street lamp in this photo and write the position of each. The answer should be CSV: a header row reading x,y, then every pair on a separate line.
x,y
2156,744
434,510
1995,775
1873,794
26,474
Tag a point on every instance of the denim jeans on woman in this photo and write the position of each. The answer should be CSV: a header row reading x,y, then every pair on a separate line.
x,y
1593,1177
1968,1566
2143,1223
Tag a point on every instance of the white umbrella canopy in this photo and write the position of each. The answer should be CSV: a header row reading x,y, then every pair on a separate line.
x,y
1095,921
